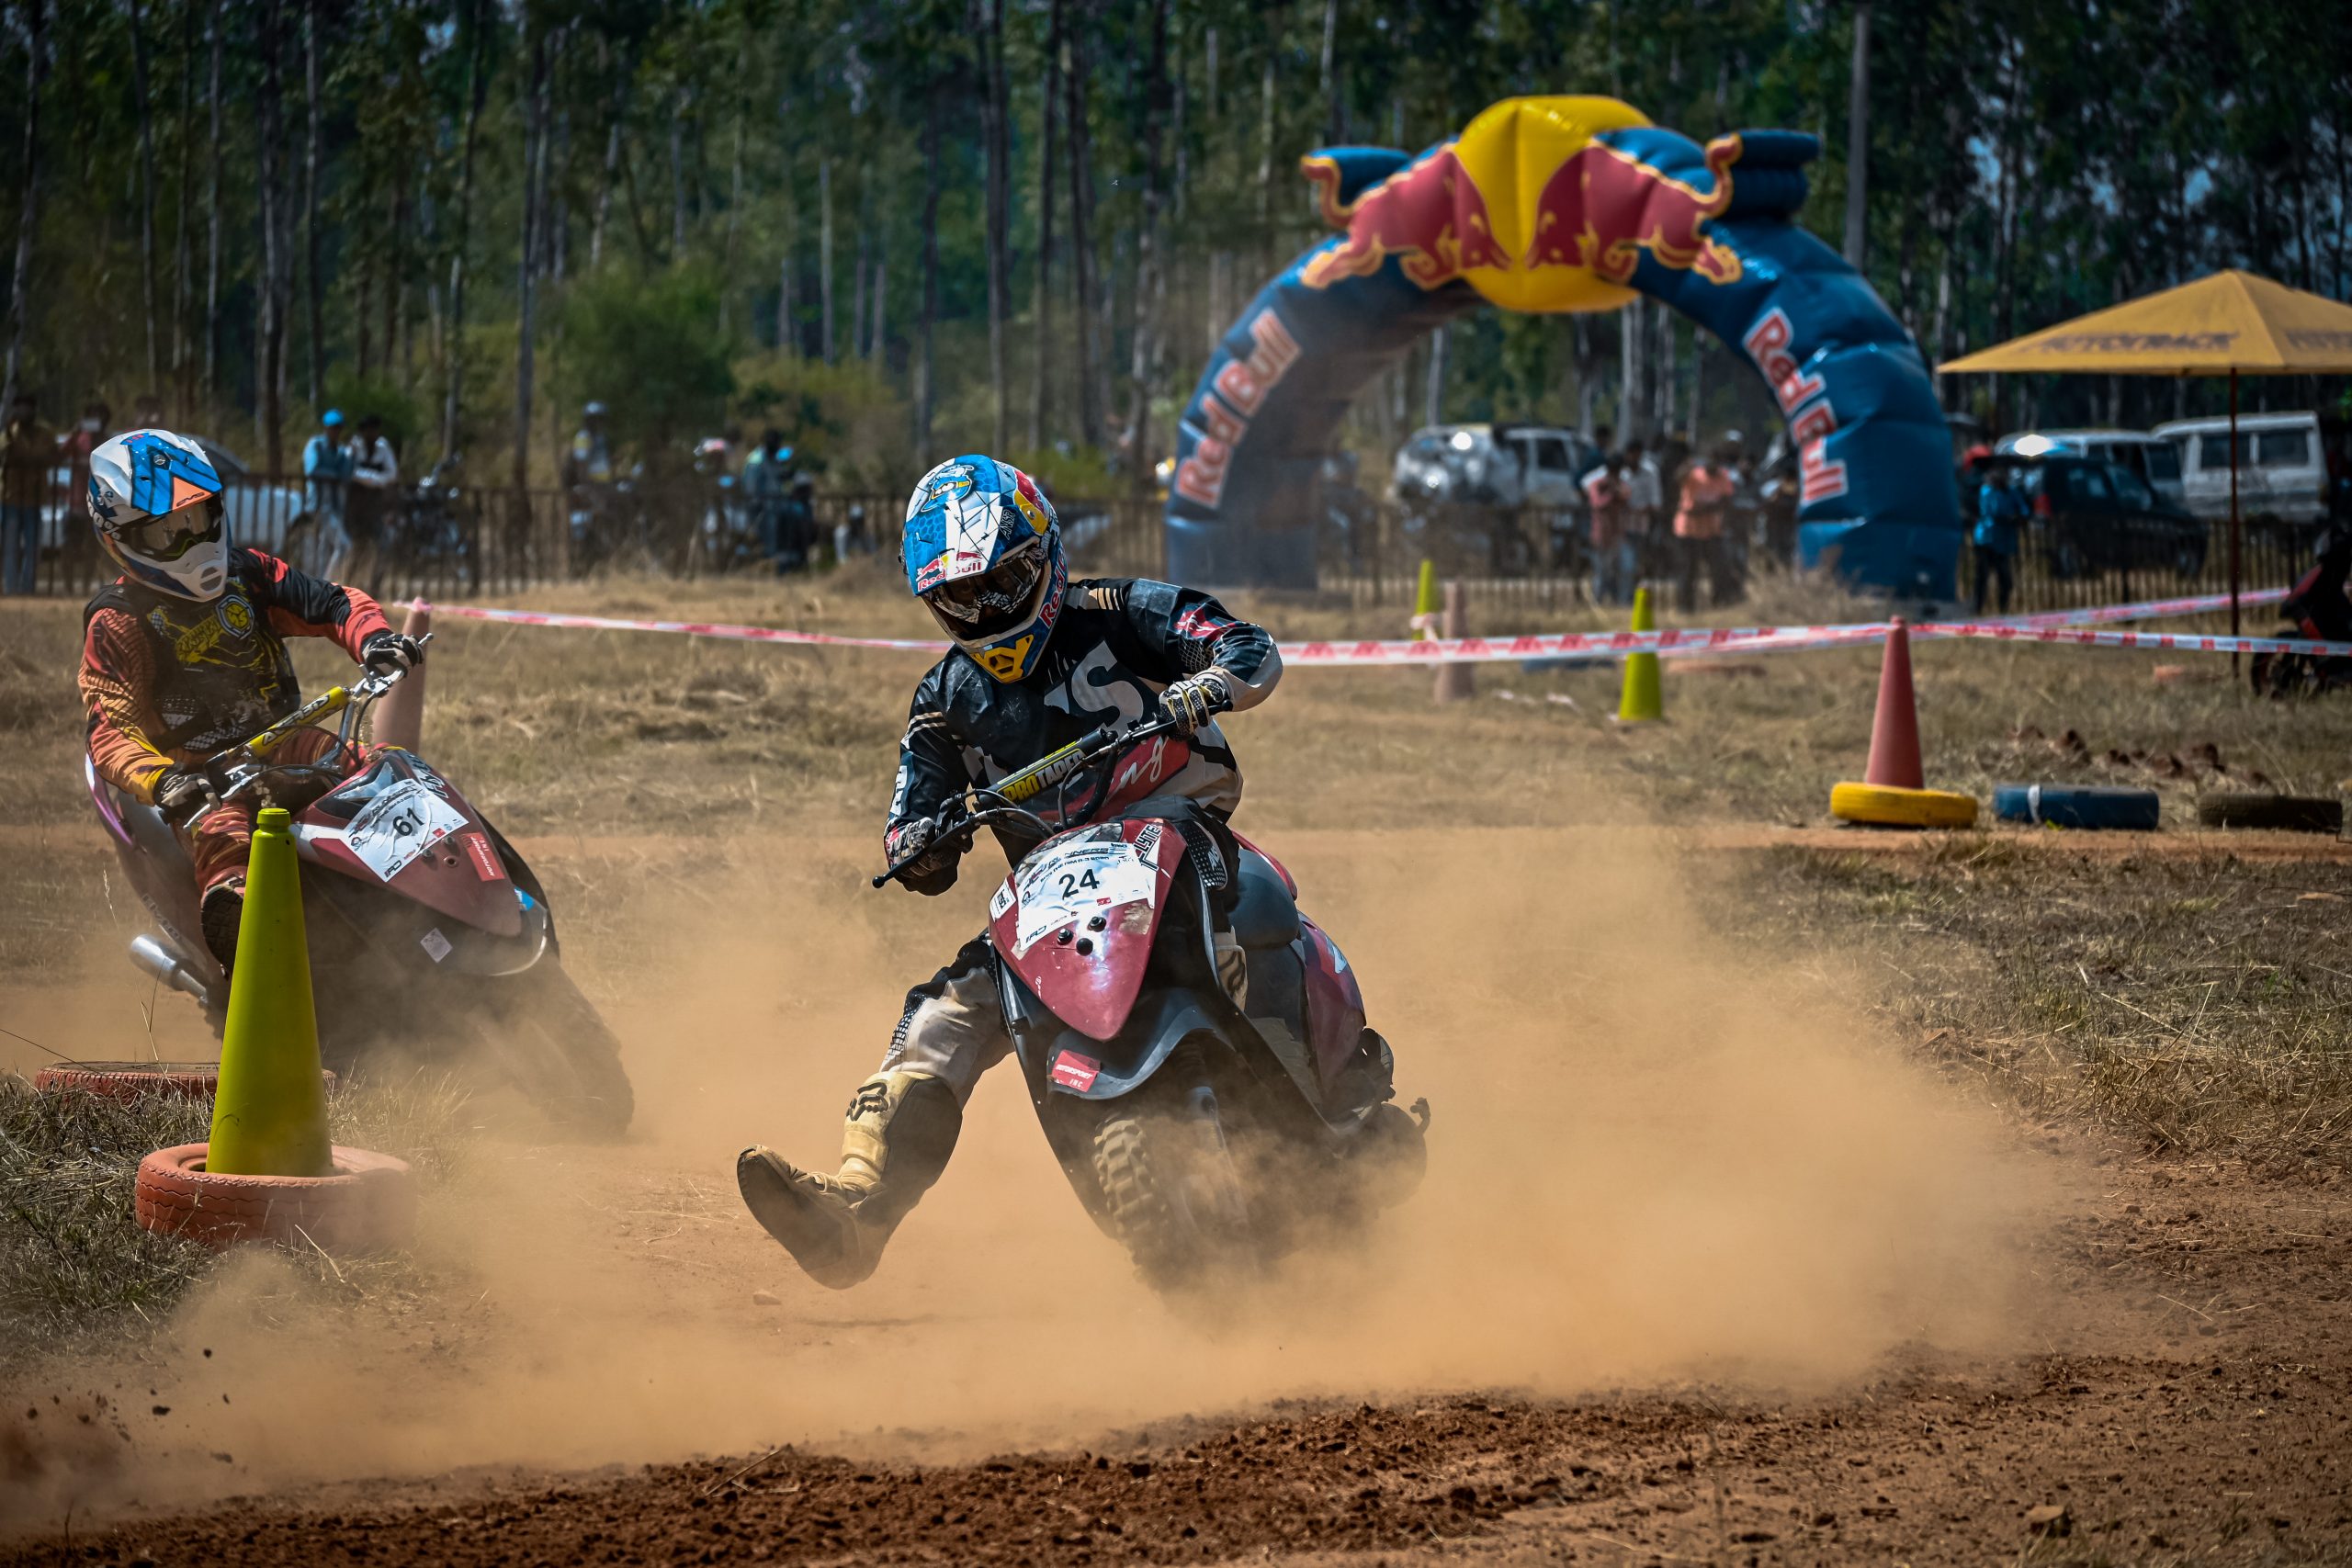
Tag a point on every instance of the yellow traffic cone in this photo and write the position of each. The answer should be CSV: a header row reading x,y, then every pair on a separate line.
x,y
1425,603
269,1114
1640,702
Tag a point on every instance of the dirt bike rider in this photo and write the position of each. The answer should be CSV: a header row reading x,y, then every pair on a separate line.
x,y
1039,661
184,652
2317,602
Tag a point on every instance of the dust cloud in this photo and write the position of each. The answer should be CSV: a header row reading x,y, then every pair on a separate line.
x,y
1655,1156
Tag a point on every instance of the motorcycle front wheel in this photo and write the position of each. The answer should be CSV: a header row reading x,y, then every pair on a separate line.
x,y
550,1040
1170,1191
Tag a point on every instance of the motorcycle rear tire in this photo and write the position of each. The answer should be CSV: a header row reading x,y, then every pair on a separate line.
x,y
559,1053
1140,1164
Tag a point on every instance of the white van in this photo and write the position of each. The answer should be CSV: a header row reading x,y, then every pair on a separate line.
x,y
2282,472
2152,457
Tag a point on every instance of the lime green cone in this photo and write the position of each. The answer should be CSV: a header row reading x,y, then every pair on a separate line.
x,y
269,1114
1640,702
1425,603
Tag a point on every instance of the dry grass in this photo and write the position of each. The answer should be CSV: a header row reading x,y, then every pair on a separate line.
x,y
2201,1006
75,1269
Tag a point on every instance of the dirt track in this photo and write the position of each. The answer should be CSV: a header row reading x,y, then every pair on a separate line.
x,y
2196,1404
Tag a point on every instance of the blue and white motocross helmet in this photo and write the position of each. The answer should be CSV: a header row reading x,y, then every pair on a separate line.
x,y
983,550
155,500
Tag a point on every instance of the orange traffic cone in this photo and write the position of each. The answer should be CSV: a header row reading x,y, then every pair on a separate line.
x,y
1894,792
1895,732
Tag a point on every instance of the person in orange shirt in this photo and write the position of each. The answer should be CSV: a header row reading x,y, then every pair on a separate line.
x,y
1707,487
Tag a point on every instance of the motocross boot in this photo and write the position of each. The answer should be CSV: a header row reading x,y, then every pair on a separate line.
x,y
901,1128
220,914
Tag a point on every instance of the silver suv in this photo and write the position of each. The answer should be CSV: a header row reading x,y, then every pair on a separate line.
x,y
1501,465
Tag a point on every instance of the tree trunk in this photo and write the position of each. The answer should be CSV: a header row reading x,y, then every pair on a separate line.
x,y
678,176
1858,141
1434,393
621,79
1630,423
1273,20
1050,120
396,316
859,347
534,110
146,113
1148,258
270,320
825,259
879,350
454,360
926,348
181,287
1335,95
212,221
29,207
315,287
1082,222
994,116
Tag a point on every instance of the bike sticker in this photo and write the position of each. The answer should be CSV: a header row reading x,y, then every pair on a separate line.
x,y
1061,885
486,863
398,825
1072,1071
1001,901
433,942
1147,842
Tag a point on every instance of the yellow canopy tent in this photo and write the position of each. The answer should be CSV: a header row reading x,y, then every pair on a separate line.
x,y
2232,324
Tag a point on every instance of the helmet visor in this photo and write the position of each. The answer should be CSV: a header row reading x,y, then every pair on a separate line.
x,y
174,533
994,601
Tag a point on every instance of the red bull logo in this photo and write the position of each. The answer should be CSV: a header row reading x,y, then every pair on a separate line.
x,y
1541,204
1604,207
1431,212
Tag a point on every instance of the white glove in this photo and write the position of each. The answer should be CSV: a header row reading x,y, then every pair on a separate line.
x,y
1194,700
178,788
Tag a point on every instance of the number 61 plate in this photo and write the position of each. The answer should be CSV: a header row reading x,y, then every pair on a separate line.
x,y
398,825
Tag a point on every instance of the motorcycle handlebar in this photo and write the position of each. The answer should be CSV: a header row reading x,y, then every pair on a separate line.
x,y
1025,785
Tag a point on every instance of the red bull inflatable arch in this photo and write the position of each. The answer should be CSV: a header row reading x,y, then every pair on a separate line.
x,y
1564,204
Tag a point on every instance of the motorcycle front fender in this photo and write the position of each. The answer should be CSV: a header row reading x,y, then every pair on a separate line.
x,y
419,937
1057,1060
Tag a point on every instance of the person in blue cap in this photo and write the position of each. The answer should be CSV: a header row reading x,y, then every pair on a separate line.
x,y
326,483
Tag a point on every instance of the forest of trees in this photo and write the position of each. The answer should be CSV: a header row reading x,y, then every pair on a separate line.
x,y
902,227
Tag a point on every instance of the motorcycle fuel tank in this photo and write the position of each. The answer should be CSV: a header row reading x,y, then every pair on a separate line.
x,y
1076,919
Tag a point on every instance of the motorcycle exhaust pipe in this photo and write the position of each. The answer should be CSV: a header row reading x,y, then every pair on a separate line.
x,y
156,962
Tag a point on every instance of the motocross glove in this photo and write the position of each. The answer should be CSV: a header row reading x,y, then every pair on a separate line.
x,y
931,856
178,788
391,652
1194,700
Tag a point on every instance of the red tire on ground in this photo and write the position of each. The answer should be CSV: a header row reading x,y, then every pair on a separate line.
x,y
367,1205
139,1080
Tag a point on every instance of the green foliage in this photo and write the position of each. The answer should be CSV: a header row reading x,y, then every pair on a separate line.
x,y
652,348
408,419
846,419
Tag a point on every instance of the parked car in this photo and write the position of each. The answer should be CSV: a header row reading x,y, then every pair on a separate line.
x,y
2282,469
1483,479
2087,516
2152,457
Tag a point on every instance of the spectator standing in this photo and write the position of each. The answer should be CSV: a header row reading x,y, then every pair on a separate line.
x,y
765,473
375,471
1698,529
27,453
327,482
1610,498
2000,511
1645,500
79,546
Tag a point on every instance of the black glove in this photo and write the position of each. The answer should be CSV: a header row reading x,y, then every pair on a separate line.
x,y
178,788
928,855
391,652
1194,700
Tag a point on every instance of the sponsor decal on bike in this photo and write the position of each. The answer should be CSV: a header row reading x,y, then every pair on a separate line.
x,y
1147,843
486,863
1068,880
436,945
1074,1072
398,825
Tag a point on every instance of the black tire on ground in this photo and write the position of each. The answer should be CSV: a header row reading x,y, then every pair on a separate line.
x,y
2295,813
559,1052
1174,1204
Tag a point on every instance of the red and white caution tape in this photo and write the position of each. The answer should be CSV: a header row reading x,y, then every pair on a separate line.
x,y
2075,626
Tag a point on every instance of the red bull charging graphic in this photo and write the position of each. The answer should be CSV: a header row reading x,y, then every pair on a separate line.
x,y
1550,205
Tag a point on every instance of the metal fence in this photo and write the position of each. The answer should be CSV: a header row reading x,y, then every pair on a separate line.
x,y
451,544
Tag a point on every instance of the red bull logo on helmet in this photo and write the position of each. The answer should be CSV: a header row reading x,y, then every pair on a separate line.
x,y
1541,204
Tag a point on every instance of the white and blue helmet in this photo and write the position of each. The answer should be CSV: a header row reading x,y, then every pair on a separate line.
x,y
983,550
155,500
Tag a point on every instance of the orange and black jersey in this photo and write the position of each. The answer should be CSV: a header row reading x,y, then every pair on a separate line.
x,y
171,680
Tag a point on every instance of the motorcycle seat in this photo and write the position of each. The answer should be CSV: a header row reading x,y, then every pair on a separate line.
x,y
1264,915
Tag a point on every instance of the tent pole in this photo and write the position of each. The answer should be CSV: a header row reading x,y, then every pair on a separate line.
x,y
2235,528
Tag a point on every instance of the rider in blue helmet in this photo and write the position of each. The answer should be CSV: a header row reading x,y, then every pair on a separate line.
x,y
1039,661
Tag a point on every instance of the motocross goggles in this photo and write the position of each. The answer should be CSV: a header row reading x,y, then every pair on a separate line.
x,y
994,601
173,534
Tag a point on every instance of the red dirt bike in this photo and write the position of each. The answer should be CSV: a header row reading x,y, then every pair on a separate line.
x,y
1208,1137
434,935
